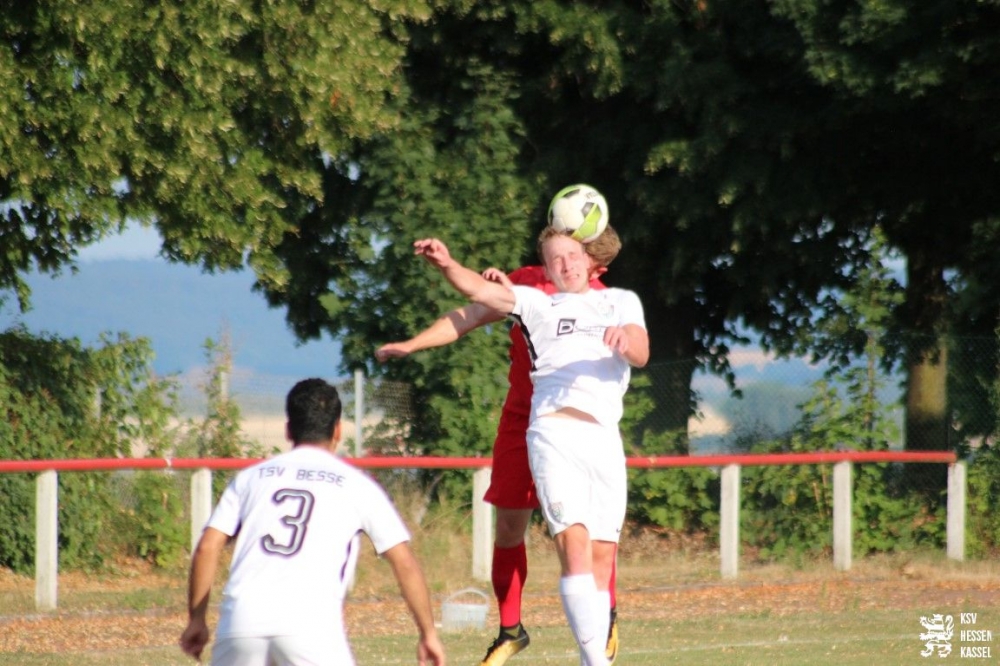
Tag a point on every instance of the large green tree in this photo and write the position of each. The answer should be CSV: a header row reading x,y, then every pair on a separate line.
x,y
685,121
211,120
919,81
747,150
449,170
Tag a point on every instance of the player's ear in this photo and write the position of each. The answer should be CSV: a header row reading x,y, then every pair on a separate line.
x,y
336,433
288,432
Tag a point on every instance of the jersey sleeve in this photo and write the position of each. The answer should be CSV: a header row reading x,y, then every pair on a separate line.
x,y
526,301
226,515
381,520
631,310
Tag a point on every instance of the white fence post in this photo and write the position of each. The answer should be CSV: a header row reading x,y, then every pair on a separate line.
x,y
201,503
729,521
957,487
843,536
482,526
46,540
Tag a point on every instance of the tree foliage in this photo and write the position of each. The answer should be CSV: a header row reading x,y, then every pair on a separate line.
x,y
62,400
748,151
211,120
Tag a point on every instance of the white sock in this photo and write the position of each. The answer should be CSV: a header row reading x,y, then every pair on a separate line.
x,y
603,607
580,603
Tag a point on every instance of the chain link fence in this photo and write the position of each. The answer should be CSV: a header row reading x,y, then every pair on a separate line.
x,y
767,402
775,405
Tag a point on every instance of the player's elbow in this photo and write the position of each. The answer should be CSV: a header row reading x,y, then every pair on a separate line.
x,y
494,298
638,346
640,359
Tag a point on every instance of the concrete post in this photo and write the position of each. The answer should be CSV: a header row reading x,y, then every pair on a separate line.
x,y
843,530
729,521
482,526
201,503
46,540
957,486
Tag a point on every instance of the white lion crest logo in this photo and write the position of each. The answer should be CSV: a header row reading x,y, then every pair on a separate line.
x,y
940,628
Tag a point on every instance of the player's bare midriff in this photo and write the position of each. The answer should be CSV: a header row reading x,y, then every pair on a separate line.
x,y
571,413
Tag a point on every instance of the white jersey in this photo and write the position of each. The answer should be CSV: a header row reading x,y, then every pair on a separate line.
x,y
571,365
296,516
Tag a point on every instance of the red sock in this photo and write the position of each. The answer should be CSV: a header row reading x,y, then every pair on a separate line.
x,y
510,569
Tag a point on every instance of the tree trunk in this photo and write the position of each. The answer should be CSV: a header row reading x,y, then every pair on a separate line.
x,y
927,400
927,426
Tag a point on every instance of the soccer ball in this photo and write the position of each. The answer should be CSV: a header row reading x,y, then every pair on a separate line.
x,y
580,209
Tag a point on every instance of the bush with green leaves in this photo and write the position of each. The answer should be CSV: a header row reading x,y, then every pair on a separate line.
x,y
788,510
682,499
62,400
156,521
983,503
679,499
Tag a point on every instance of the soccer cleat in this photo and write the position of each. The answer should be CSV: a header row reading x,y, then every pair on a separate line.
x,y
611,651
506,646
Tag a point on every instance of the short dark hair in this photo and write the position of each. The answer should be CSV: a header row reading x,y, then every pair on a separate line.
x,y
313,409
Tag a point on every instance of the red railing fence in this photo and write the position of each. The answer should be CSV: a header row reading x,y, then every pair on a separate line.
x,y
47,524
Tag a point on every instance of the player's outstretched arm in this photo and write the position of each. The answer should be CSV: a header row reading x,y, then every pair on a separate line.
x,y
203,566
413,587
445,330
470,283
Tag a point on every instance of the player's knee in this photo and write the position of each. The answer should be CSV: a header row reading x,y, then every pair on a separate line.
x,y
510,528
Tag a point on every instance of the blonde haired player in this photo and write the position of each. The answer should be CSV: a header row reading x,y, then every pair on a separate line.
x,y
584,342
512,490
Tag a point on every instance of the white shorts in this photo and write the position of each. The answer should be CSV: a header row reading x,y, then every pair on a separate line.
x,y
281,651
580,475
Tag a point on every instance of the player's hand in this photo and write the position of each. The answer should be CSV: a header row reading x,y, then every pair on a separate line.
x,y
194,639
498,276
616,338
430,651
391,350
433,251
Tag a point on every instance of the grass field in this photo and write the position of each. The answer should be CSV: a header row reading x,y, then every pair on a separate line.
x,y
674,609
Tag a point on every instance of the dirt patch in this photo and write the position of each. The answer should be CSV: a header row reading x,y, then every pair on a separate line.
x,y
104,631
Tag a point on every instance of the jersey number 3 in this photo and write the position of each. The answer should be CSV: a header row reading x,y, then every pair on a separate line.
x,y
297,522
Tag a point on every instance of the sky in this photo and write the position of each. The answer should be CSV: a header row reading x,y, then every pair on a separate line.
x,y
123,285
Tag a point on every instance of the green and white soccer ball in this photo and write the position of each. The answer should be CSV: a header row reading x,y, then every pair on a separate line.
x,y
580,209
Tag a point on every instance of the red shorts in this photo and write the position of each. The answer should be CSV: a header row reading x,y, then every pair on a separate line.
x,y
511,485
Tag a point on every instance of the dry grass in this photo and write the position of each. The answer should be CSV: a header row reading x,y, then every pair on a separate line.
x,y
668,586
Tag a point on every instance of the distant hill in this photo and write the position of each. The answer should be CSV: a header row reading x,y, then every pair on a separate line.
x,y
177,307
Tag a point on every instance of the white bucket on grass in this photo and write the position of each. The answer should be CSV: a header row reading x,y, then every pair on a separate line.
x,y
456,616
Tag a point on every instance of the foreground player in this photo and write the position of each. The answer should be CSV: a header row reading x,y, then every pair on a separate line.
x,y
512,491
296,516
584,342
